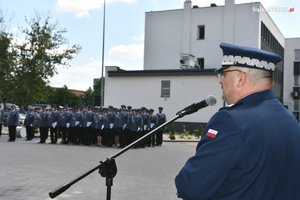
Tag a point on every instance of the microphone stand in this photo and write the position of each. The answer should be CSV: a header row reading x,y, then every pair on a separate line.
x,y
108,168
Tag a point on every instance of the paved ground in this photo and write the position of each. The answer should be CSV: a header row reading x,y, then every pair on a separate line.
x,y
29,171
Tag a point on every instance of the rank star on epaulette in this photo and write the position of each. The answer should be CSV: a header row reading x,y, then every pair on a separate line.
x,y
211,133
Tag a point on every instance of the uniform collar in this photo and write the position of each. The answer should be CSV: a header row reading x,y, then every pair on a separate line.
x,y
258,96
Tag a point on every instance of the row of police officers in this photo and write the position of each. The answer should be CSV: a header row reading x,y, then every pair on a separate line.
x,y
98,126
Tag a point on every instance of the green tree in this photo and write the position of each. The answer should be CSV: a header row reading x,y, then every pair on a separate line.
x,y
88,100
38,57
7,60
63,97
96,93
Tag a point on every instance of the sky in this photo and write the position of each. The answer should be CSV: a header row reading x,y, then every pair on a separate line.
x,y
124,30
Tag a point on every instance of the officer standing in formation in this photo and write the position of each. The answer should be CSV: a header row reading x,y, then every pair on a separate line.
x,y
12,122
145,126
1,119
136,126
161,118
53,124
100,126
123,126
66,125
87,124
109,128
152,125
29,124
77,116
44,125
95,126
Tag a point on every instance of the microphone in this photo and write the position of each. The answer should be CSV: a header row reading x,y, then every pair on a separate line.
x,y
209,101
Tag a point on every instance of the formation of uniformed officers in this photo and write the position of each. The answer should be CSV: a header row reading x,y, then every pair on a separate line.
x,y
95,126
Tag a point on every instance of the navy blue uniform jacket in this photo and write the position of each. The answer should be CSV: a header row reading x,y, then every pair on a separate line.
x,y
250,151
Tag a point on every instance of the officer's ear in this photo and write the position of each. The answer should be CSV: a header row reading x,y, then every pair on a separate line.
x,y
241,79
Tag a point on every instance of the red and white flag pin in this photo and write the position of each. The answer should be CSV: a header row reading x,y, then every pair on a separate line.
x,y
212,133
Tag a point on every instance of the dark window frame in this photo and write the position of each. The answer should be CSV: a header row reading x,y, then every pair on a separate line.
x,y
200,63
201,32
165,88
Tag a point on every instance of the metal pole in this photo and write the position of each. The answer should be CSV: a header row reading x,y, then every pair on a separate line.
x,y
102,73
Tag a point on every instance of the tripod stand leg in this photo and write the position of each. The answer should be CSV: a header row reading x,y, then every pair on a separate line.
x,y
109,183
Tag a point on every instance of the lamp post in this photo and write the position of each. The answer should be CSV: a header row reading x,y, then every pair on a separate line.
x,y
103,40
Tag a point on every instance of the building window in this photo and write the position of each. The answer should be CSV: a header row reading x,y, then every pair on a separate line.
x,y
296,105
201,32
165,88
270,43
200,63
297,54
296,68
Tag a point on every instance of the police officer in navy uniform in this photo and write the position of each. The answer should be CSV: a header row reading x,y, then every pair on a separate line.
x,y
53,124
109,127
12,122
100,126
161,118
1,118
84,123
44,124
136,126
71,134
28,123
70,123
152,123
123,126
87,124
60,121
129,132
145,126
250,149
77,116
93,136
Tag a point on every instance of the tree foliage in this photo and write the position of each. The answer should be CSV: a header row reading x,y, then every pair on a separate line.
x,y
95,95
63,97
43,50
28,62
7,60
27,66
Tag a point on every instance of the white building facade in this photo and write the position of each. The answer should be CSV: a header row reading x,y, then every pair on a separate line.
x,y
292,75
176,40
171,89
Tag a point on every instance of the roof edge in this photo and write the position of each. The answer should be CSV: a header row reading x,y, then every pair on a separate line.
x,y
164,72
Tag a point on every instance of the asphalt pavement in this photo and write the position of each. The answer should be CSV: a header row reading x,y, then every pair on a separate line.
x,y
29,170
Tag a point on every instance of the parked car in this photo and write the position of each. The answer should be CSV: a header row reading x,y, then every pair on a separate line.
x,y
21,119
